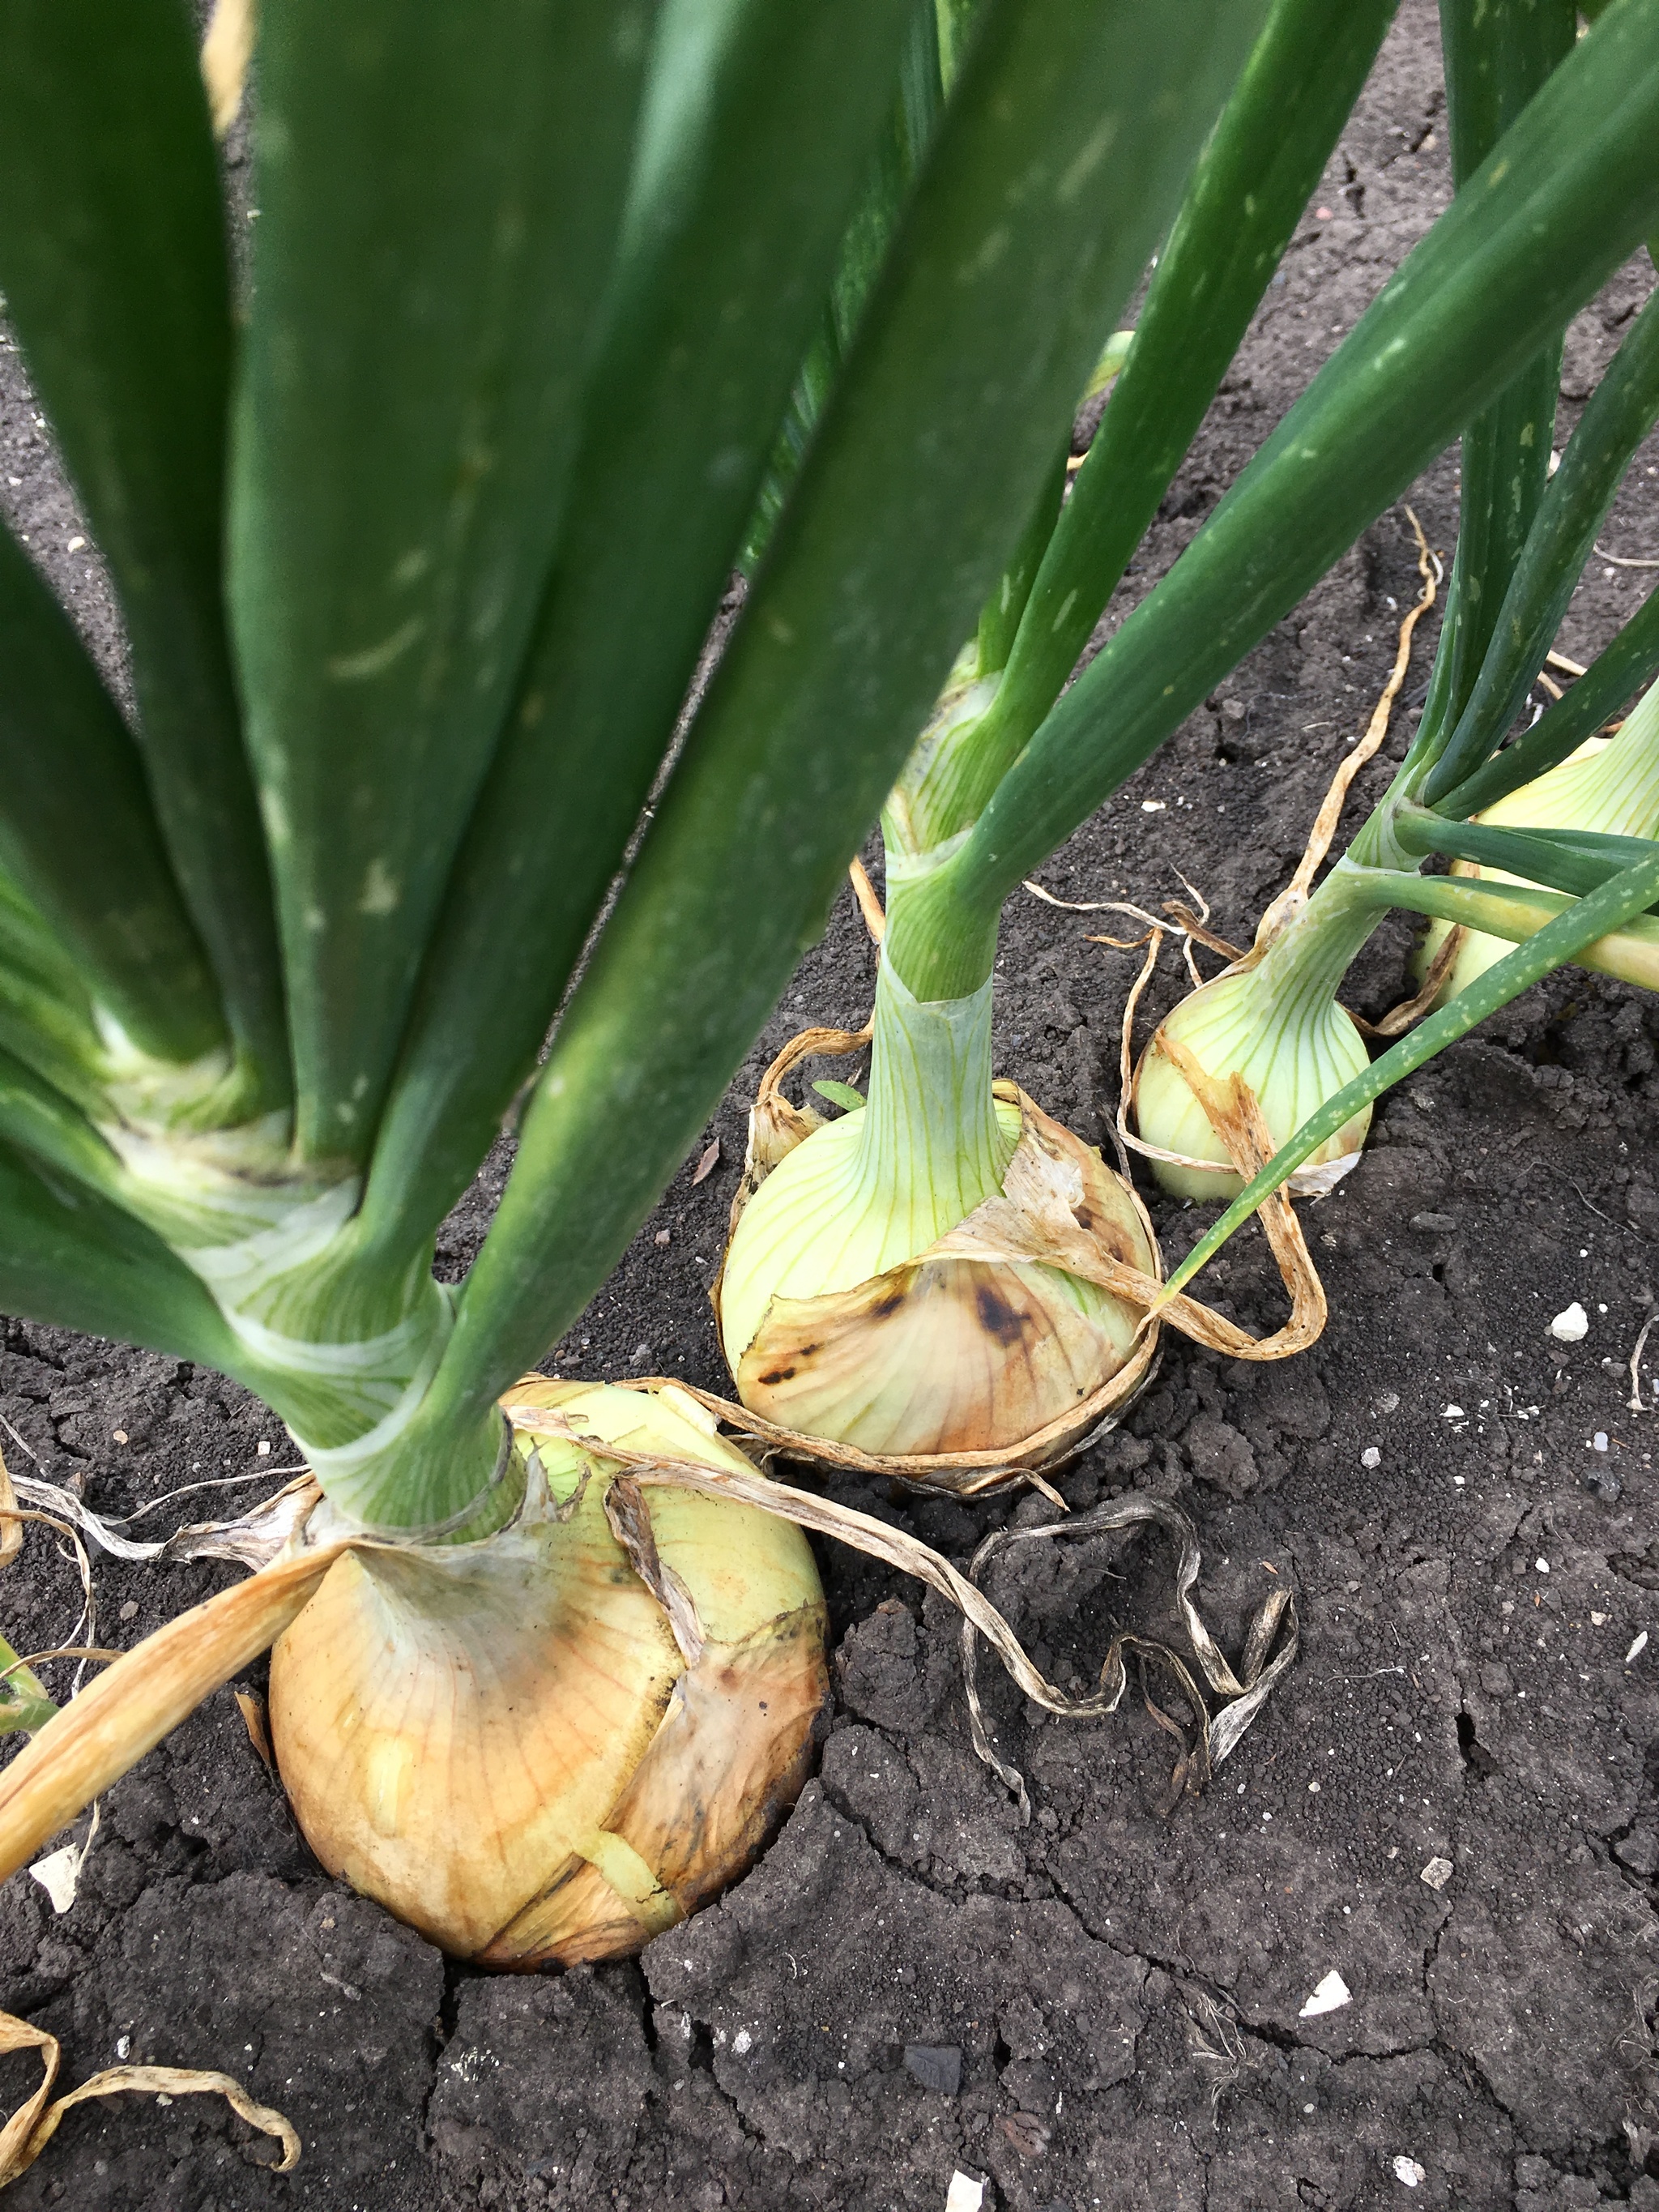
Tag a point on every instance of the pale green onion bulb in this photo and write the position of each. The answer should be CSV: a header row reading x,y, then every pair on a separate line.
x,y
1609,785
829,1324
1279,1026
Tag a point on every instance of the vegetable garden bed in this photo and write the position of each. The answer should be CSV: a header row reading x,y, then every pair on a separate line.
x,y
1106,2008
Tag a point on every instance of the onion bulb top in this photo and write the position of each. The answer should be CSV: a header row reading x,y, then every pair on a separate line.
x,y
1274,1023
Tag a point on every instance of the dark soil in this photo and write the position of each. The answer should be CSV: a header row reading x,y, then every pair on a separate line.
x,y
1123,1991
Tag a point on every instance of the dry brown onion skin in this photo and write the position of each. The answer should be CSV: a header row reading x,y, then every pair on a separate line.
x,y
510,1748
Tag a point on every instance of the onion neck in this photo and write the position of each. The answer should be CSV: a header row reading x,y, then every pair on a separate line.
x,y
930,1147
1308,943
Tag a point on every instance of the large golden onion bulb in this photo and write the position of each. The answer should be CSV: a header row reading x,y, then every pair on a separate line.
x,y
505,1743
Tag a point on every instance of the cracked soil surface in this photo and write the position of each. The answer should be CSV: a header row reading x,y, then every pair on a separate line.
x,y
1113,1997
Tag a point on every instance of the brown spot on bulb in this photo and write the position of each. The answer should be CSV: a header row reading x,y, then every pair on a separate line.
x,y
1000,1320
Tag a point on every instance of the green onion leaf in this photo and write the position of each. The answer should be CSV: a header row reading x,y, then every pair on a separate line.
x,y
728,264
1572,188
1622,409
1247,194
1622,669
80,839
113,262
1059,159
439,194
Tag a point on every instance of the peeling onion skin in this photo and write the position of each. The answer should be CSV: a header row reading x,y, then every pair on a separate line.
x,y
503,1744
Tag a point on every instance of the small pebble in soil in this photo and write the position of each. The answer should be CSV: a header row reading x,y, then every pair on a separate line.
x,y
1571,1325
1331,1995
1637,1649
1408,2171
936,2066
1437,1873
1371,1456
1599,1441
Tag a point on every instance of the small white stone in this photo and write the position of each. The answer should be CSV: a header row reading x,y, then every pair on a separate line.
x,y
1152,805
1371,1456
1408,2171
1599,1441
963,2195
1332,1994
1598,1621
1571,1325
1542,1565
1452,1413
59,1874
124,2046
1437,1873
742,2042
1637,1649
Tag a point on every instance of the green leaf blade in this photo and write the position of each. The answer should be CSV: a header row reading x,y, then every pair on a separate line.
x,y
725,281
112,261
1569,193
78,835
1622,409
440,194
1611,679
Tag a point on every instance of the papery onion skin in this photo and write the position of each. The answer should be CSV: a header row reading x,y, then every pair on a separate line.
x,y
1294,1050
504,1744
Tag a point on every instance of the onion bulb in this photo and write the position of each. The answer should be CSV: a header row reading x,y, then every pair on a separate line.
x,y
840,1318
1609,785
1274,1023
519,1748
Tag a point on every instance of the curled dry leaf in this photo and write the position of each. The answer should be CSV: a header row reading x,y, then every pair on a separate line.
x,y
1248,1688
33,2125
252,1710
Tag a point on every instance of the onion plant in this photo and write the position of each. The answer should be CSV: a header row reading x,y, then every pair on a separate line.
x,y
418,534
846,1307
